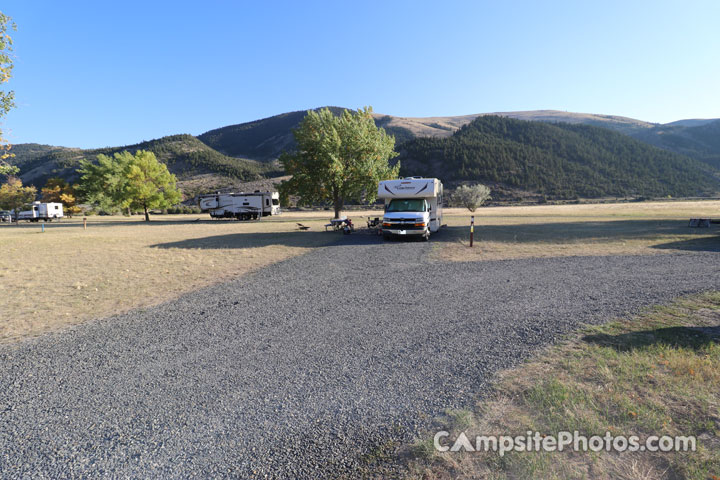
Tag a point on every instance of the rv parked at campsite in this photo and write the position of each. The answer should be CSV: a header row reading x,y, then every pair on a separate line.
x,y
242,206
42,211
413,206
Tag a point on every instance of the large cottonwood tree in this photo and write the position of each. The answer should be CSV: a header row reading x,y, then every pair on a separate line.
x,y
127,181
338,158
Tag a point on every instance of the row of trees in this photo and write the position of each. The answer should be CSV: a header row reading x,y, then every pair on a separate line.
x,y
121,182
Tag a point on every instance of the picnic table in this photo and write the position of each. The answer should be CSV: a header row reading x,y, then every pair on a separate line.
x,y
339,224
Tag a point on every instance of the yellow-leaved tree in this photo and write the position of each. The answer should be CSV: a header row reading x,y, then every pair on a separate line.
x,y
60,191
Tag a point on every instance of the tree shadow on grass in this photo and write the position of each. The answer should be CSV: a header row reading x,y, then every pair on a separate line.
x,y
681,337
705,244
288,239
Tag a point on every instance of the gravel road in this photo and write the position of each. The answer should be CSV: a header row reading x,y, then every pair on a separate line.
x,y
302,368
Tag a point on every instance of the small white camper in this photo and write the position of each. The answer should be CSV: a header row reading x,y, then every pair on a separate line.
x,y
413,206
242,206
42,211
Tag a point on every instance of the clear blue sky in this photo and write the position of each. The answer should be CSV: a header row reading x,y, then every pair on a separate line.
x,y
95,73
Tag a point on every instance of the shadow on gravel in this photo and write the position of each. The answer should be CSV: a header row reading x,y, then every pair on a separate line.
x,y
578,231
683,337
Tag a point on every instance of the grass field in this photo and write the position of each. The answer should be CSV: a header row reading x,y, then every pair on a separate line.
x,y
565,230
655,374
67,275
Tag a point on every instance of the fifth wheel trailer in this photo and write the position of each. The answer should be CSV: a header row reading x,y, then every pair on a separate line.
x,y
413,206
242,206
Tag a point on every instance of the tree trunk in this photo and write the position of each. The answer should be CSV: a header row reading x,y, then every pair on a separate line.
x,y
338,204
147,215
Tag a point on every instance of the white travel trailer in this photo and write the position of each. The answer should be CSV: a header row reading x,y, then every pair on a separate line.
x,y
413,206
242,206
42,211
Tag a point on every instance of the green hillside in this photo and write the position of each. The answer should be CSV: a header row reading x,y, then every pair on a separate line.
x,y
701,142
558,160
185,156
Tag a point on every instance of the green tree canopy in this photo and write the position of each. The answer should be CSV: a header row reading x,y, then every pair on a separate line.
x,y
125,180
339,158
13,196
6,98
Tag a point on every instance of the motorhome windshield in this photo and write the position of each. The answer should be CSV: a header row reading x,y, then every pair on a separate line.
x,y
407,205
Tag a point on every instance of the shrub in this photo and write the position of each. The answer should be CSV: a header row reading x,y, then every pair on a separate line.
x,y
470,196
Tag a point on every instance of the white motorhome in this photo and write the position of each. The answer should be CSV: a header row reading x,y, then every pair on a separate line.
x,y
242,206
42,211
413,206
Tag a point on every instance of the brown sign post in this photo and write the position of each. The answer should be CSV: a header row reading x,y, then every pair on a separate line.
x,y
472,229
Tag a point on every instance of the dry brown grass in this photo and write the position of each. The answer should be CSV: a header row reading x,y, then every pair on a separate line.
x,y
656,374
67,275
577,230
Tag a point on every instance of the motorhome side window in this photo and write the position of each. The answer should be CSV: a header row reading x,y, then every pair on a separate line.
x,y
276,201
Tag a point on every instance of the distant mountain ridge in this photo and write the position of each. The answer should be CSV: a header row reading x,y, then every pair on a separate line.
x,y
265,139
249,151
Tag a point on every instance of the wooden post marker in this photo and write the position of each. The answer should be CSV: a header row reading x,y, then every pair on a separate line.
x,y
472,229
84,223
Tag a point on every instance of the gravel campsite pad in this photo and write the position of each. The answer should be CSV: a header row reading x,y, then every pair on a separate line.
x,y
302,368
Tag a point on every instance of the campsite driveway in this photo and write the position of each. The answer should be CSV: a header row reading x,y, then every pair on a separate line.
x,y
301,368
